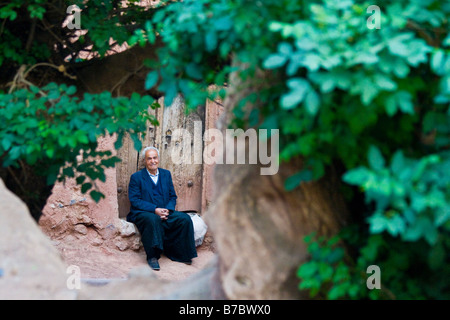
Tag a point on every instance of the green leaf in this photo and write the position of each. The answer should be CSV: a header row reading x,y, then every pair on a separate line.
x,y
85,187
36,11
368,94
80,179
442,216
81,137
71,90
49,152
285,48
397,45
395,225
397,162
152,79
384,82
7,142
378,223
376,160
211,40
171,93
223,23
8,12
290,100
446,42
399,100
299,87
325,271
405,102
150,31
274,61
294,181
307,270
414,232
96,196
193,70
336,292
312,102
51,178
357,176
438,62
137,142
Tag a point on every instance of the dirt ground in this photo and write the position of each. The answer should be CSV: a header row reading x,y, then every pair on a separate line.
x,y
102,263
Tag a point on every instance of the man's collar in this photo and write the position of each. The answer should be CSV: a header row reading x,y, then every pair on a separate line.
x,y
153,175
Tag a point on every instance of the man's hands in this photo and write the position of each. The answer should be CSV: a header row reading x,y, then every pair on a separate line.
x,y
163,213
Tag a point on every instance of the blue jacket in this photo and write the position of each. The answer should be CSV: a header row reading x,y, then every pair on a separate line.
x,y
140,191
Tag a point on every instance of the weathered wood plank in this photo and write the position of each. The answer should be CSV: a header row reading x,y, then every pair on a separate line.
x,y
179,144
212,113
179,138
124,169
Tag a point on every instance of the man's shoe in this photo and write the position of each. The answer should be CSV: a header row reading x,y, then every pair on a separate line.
x,y
188,262
153,263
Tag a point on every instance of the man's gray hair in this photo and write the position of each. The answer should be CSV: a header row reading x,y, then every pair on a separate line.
x,y
149,148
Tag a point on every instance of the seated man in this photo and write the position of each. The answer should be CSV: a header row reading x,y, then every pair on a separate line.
x,y
153,198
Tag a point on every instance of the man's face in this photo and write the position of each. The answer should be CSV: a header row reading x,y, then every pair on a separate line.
x,y
151,160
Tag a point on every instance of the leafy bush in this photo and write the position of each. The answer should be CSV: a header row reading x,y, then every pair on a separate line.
x,y
51,126
407,234
49,132
410,196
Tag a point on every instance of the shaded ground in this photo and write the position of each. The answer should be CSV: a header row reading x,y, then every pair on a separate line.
x,y
103,263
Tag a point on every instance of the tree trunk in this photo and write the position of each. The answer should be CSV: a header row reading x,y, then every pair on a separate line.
x,y
259,227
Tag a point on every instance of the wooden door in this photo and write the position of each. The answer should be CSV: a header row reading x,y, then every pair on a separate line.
x,y
178,136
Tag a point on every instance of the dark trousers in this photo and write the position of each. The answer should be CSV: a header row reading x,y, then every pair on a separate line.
x,y
174,236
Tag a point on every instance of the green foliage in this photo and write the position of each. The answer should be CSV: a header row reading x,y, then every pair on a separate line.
x,y
51,128
10,9
411,197
200,37
407,237
105,24
344,63
12,49
409,270
109,20
330,275
54,128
